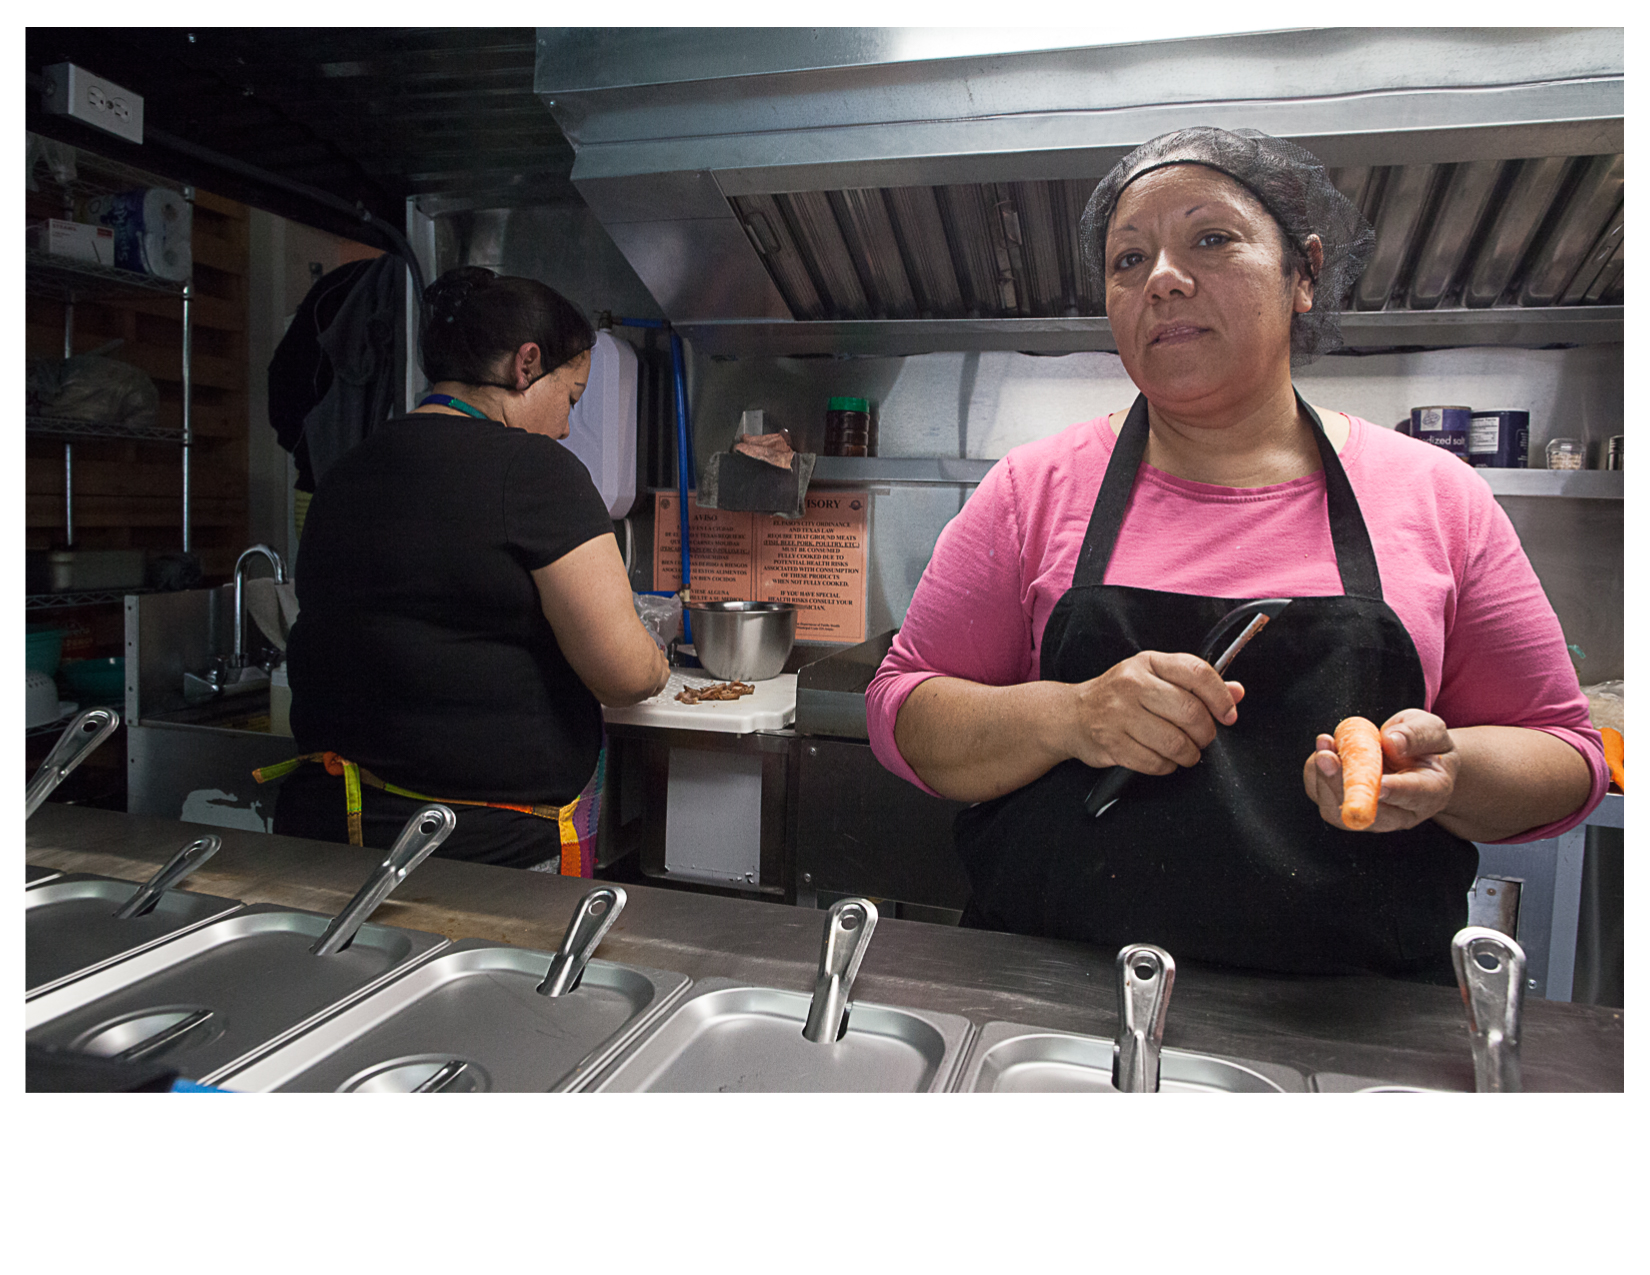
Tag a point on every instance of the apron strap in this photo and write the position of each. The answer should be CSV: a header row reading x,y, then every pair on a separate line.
x,y
1113,501
577,852
1354,553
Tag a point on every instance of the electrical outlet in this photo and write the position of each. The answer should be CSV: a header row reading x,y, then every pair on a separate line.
x,y
74,91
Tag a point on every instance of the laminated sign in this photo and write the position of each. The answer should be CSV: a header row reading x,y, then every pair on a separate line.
x,y
816,562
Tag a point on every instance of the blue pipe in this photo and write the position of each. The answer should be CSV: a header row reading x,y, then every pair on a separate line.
x,y
684,443
685,468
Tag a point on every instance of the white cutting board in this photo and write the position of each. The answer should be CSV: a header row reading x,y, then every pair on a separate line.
x,y
771,707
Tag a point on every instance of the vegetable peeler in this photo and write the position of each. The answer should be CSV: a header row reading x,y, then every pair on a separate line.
x,y
1246,620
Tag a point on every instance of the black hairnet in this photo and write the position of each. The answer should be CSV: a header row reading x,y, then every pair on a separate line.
x,y
1290,183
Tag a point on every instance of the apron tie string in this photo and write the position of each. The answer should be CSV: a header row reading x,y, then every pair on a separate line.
x,y
573,851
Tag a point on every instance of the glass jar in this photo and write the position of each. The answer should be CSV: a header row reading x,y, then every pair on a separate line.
x,y
848,428
1566,453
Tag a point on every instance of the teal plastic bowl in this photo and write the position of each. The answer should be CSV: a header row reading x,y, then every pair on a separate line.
x,y
44,646
101,681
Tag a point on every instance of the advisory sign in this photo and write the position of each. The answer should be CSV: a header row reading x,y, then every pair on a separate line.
x,y
816,562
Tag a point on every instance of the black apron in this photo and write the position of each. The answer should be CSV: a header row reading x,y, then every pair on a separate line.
x,y
1228,862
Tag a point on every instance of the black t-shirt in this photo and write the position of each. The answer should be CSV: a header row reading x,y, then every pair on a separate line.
x,y
420,650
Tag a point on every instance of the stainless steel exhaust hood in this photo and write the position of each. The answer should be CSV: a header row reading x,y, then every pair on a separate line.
x,y
883,190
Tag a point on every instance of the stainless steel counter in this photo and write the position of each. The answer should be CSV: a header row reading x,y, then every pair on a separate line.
x,y
1398,1032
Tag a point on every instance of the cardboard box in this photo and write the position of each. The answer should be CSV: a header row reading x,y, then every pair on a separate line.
x,y
83,243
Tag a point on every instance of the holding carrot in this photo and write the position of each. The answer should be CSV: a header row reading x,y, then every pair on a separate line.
x,y
1358,745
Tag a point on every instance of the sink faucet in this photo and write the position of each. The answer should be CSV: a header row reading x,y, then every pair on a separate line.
x,y
264,551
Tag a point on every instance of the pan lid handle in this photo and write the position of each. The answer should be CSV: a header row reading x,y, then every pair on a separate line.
x,y
1145,977
848,926
592,918
426,830
1489,966
79,738
175,869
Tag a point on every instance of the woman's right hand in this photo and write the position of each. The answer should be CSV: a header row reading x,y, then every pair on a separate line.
x,y
1153,712
585,595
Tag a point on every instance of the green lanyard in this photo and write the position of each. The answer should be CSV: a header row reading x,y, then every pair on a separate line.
x,y
447,400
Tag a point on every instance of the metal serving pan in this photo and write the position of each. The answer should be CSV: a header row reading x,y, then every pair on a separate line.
x,y
1339,1082
1013,1058
212,999
728,1037
37,875
71,928
470,1020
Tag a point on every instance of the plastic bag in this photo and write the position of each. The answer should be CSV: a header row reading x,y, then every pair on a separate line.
x,y
89,387
1607,705
661,616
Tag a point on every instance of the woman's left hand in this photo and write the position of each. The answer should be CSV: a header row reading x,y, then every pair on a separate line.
x,y
1421,764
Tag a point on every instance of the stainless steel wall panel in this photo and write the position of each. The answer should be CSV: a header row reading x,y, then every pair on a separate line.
x,y
915,215
1520,215
813,225
975,235
1442,260
700,269
1596,199
168,635
652,196
863,218
203,775
772,233
1397,223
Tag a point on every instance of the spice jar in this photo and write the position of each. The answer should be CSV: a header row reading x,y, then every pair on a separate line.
x,y
848,428
1566,453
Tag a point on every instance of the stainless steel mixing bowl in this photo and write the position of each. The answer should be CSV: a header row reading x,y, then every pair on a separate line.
x,y
743,641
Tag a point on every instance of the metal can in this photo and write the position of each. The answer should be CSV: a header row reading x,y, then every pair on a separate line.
x,y
1613,461
1499,440
1446,427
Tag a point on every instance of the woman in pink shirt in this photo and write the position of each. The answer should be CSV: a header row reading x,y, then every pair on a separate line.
x,y
1052,637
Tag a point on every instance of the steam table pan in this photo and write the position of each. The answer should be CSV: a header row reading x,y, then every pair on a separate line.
x,y
211,999
1013,1058
70,926
730,1037
1339,1082
471,1019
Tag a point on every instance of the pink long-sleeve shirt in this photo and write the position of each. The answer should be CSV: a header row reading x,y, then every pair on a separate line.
x,y
1451,568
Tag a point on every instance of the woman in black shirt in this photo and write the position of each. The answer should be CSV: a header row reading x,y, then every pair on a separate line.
x,y
464,611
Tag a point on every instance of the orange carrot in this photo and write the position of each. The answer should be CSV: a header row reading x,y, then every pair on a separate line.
x,y
1358,744
1615,753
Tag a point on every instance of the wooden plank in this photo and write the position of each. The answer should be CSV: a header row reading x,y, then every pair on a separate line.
x,y
166,365
135,511
99,475
216,313
230,208
220,254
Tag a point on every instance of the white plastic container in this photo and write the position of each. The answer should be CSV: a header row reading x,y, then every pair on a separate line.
x,y
280,702
602,428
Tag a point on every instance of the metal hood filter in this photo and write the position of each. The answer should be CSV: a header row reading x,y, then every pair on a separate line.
x,y
876,175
